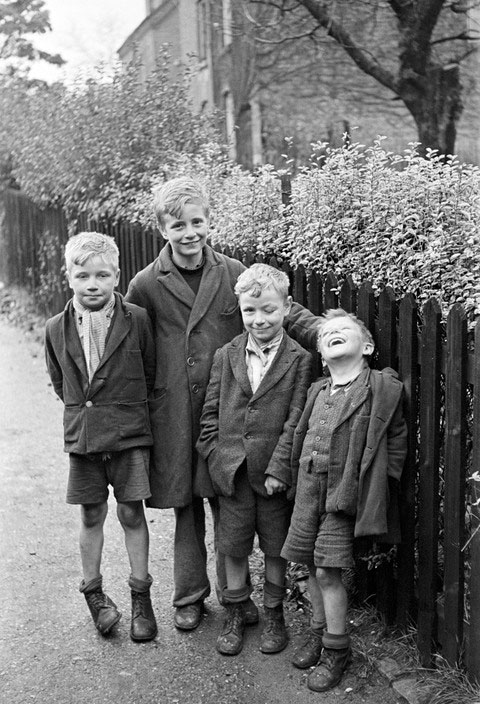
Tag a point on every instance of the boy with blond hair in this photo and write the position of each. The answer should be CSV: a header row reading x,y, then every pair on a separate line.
x,y
257,390
100,355
188,292
347,459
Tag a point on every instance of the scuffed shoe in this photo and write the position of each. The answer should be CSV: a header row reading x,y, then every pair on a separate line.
x,y
251,612
188,617
329,671
144,625
308,654
103,610
274,637
230,640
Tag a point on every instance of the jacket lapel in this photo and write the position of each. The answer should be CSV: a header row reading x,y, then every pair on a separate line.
x,y
209,285
283,360
169,277
72,341
236,357
120,327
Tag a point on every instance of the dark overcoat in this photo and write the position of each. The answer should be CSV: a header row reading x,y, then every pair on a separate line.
x,y
374,445
238,424
188,330
110,413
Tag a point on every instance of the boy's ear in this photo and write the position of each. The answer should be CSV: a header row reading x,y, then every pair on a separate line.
x,y
117,278
368,348
288,305
67,276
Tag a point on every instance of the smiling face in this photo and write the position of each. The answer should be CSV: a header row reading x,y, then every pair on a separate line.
x,y
341,338
93,282
263,315
187,234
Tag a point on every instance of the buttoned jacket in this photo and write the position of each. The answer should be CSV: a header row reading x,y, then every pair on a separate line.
x,y
375,446
188,331
110,413
238,424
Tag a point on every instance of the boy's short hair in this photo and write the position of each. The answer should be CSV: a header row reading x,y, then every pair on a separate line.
x,y
333,313
81,247
172,196
259,277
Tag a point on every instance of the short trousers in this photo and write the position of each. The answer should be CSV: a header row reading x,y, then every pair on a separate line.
x,y
317,538
246,513
127,471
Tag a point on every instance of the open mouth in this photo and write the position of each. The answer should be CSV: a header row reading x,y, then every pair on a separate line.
x,y
336,341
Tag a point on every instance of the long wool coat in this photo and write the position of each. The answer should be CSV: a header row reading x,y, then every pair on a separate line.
x,y
238,424
110,413
375,446
188,330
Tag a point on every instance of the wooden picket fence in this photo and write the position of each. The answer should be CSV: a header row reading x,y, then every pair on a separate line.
x,y
434,580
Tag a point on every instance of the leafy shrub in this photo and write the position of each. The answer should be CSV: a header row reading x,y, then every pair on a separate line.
x,y
398,220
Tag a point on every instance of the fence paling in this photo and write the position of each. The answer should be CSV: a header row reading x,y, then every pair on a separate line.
x,y
473,653
428,481
454,475
408,369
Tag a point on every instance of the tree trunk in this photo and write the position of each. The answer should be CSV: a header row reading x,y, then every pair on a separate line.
x,y
436,105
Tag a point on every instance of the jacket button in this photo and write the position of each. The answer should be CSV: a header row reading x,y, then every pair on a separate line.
x,y
248,436
89,404
190,361
195,388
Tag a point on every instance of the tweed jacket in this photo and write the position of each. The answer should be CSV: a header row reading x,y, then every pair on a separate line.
x,y
188,331
375,446
111,412
238,425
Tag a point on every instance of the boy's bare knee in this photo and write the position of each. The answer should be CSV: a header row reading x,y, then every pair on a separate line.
x,y
328,576
130,514
93,515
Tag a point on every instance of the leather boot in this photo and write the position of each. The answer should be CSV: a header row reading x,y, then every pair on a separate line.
x,y
330,669
230,640
144,625
251,612
104,611
274,637
308,654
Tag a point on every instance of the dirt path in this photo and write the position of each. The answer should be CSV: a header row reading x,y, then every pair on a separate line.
x,y
49,650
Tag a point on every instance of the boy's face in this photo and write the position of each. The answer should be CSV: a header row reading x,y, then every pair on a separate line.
x,y
187,234
93,282
342,339
263,316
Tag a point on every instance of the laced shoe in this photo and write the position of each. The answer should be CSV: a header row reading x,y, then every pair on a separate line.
x,y
251,612
274,637
144,625
329,671
230,640
308,654
104,611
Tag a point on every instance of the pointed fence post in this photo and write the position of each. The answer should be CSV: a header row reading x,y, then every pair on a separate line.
x,y
408,369
366,306
299,291
386,341
454,478
473,653
330,295
428,479
348,295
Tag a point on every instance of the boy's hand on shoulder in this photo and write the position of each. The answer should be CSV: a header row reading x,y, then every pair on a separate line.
x,y
274,485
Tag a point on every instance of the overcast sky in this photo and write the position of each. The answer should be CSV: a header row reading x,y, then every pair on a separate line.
x,y
87,32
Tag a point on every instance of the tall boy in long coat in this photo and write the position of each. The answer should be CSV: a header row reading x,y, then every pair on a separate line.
x,y
188,292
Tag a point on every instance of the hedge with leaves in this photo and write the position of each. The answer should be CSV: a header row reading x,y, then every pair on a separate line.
x,y
396,219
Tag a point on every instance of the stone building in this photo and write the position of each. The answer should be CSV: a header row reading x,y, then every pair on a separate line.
x,y
260,112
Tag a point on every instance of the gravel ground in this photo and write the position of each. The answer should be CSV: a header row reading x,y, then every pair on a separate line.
x,y
49,650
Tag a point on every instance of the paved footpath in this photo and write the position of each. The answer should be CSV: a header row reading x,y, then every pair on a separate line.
x,y
49,650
